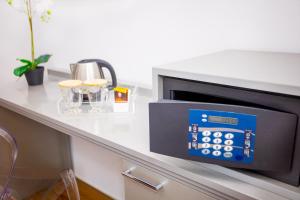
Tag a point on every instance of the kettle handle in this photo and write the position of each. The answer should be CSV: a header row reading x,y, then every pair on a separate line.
x,y
103,63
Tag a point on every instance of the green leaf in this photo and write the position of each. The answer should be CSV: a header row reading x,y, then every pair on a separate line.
x,y
19,71
28,62
41,59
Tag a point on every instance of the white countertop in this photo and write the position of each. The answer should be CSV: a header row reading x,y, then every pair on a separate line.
x,y
127,135
266,71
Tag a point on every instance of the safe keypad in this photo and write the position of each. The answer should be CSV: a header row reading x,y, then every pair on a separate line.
x,y
214,143
228,142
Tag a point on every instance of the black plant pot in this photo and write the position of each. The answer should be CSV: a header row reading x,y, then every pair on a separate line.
x,y
35,77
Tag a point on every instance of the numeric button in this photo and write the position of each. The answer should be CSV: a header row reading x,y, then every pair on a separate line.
x,y
229,136
228,148
205,151
206,139
216,153
206,133
217,147
217,134
217,141
205,145
228,142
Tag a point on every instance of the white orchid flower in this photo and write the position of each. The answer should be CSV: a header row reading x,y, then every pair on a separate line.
x,y
30,8
40,8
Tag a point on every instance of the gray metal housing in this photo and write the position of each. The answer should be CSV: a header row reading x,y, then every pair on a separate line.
x,y
278,118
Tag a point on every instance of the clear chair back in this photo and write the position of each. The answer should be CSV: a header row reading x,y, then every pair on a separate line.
x,y
70,183
65,188
8,157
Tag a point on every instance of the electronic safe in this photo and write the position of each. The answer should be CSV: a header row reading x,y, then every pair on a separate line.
x,y
227,125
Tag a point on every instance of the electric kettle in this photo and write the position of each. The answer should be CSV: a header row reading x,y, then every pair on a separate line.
x,y
91,69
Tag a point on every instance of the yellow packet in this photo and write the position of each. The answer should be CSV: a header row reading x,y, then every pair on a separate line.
x,y
121,94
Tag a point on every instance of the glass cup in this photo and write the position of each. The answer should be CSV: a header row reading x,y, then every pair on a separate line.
x,y
71,95
97,94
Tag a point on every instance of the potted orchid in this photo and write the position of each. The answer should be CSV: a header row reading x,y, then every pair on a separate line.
x,y
34,73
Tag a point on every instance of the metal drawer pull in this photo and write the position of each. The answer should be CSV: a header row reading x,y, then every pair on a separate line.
x,y
128,174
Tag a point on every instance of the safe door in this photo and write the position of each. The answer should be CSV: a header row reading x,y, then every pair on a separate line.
x,y
228,135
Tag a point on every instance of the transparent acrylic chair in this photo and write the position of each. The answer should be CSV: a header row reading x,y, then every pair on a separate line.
x,y
70,183
8,157
67,183
8,171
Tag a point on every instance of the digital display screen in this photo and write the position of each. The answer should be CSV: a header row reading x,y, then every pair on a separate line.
x,y
223,120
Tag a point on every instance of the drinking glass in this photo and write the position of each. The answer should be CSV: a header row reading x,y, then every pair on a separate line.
x,y
71,95
97,94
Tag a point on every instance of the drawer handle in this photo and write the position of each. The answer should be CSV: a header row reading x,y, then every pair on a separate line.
x,y
128,174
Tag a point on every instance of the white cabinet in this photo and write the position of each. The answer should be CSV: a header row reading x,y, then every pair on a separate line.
x,y
103,169
98,167
139,184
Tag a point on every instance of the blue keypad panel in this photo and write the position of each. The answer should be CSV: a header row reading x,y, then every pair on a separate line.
x,y
221,135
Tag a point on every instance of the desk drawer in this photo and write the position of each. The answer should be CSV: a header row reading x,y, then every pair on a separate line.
x,y
141,183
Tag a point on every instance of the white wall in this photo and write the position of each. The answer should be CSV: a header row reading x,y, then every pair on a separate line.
x,y
135,35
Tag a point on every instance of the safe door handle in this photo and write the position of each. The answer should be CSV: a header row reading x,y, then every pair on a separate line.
x,y
128,174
